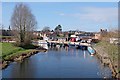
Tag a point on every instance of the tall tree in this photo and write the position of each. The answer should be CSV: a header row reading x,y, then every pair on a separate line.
x,y
9,28
58,28
9,31
23,23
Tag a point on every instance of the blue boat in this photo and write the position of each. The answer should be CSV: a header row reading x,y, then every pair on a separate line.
x,y
91,50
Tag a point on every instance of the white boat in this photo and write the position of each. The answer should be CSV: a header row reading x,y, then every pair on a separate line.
x,y
43,44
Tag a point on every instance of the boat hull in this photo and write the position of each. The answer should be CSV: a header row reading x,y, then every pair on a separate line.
x,y
43,44
91,50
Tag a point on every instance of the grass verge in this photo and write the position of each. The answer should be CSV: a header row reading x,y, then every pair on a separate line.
x,y
111,50
10,50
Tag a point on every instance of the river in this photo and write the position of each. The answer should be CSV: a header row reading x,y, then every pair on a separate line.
x,y
58,63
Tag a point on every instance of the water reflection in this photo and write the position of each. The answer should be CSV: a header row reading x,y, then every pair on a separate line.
x,y
58,62
84,55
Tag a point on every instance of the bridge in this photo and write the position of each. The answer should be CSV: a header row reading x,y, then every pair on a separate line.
x,y
68,42
63,42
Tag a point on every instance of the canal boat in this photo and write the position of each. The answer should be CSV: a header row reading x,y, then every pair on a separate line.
x,y
43,44
91,50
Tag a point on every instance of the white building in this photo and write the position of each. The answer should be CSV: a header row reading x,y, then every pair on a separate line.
x,y
114,40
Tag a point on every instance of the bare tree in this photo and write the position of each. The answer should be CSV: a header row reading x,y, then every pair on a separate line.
x,y
23,23
113,32
46,29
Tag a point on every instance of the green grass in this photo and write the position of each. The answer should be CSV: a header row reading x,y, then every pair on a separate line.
x,y
6,36
16,54
111,49
0,49
9,48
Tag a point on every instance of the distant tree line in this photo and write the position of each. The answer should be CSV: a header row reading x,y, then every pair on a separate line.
x,y
7,32
57,29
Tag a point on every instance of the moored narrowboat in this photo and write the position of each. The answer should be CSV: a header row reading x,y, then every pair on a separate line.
x,y
91,50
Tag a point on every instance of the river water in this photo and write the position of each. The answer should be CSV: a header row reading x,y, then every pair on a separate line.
x,y
58,63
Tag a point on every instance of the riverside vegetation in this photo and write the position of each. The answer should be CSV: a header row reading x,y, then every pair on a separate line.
x,y
110,51
10,52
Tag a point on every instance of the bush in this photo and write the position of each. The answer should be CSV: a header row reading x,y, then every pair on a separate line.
x,y
28,46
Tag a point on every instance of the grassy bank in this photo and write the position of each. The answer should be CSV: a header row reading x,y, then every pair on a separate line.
x,y
11,53
104,48
110,49
8,50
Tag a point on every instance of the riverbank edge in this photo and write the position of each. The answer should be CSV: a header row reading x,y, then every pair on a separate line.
x,y
20,58
106,60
